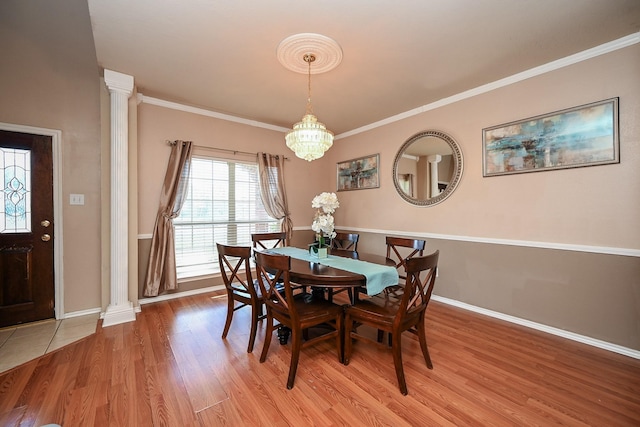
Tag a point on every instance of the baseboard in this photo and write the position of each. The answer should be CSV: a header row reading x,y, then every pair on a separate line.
x,y
83,313
540,327
167,297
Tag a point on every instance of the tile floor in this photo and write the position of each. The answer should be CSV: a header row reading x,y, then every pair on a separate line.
x,y
19,344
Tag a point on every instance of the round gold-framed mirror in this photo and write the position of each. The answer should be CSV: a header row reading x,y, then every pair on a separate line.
x,y
427,168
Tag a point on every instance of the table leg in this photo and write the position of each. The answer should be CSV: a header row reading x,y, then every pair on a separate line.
x,y
283,334
317,293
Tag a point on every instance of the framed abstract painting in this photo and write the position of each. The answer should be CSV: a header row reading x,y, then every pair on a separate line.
x,y
358,174
586,135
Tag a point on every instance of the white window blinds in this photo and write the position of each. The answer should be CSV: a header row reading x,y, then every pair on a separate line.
x,y
223,205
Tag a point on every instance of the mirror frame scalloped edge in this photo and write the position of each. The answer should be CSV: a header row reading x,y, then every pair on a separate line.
x,y
458,164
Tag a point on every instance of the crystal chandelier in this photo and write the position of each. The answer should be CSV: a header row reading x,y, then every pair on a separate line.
x,y
309,138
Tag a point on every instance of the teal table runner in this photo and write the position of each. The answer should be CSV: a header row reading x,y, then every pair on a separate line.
x,y
378,276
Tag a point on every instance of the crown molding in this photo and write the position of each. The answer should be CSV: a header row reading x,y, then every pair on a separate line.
x,y
203,112
533,72
545,68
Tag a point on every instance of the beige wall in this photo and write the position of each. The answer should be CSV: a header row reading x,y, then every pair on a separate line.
x,y
591,293
49,78
158,124
596,206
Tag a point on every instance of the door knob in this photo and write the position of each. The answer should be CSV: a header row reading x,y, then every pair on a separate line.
x,y
45,237
45,223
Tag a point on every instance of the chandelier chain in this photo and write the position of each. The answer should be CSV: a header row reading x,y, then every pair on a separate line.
x,y
309,58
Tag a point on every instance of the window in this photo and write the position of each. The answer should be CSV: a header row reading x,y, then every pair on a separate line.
x,y
223,205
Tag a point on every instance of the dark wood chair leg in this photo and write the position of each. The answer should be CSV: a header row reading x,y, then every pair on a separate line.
x,y
267,338
296,346
254,327
397,361
230,309
348,340
340,338
423,344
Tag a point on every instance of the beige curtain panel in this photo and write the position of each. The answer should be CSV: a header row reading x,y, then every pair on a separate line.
x,y
161,272
272,190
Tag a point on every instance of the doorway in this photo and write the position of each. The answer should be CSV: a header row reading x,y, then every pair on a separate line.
x,y
29,288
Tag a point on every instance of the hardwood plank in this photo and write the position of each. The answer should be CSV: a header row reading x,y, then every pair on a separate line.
x,y
12,417
171,367
223,413
12,383
201,383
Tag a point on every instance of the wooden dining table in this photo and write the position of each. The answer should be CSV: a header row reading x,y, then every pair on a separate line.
x,y
319,276
316,274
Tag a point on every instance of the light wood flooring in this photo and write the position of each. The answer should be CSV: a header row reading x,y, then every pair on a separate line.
x,y
171,368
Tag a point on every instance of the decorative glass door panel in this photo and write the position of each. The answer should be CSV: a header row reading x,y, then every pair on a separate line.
x,y
15,204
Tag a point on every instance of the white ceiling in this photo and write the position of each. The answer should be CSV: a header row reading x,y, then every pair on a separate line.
x,y
397,56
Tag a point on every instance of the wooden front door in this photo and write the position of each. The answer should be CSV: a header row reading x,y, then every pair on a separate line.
x,y
26,228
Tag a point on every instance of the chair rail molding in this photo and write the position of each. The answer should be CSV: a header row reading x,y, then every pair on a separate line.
x,y
607,250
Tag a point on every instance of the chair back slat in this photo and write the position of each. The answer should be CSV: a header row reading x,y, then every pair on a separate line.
x,y
235,268
273,275
346,241
401,249
421,277
268,240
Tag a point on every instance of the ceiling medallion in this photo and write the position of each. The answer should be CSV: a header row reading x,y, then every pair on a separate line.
x,y
327,52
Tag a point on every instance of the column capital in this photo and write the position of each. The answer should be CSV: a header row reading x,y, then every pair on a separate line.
x,y
434,158
118,82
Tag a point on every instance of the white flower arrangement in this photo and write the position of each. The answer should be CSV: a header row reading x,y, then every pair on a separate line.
x,y
323,224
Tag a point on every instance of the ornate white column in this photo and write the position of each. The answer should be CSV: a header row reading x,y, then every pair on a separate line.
x,y
434,159
120,309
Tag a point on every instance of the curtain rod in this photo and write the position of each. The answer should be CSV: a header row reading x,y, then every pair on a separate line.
x,y
225,150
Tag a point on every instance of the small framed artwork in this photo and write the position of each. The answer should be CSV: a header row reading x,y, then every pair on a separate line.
x,y
359,174
586,135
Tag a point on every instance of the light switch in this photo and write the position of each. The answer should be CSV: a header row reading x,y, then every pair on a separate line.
x,y
76,199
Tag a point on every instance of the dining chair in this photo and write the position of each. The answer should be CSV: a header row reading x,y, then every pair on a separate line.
x,y
294,312
268,240
240,286
344,242
396,314
263,241
400,249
